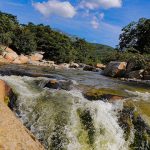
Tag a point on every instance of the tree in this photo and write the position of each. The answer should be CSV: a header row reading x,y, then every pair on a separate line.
x,y
23,41
8,23
136,35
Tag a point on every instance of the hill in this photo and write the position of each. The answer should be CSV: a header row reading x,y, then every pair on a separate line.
x,y
58,46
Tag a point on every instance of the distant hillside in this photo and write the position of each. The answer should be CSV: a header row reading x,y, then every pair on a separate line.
x,y
57,45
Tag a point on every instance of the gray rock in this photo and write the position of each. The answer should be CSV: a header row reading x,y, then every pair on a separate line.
x,y
115,69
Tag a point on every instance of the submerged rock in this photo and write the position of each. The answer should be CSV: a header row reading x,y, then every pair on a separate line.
x,y
104,94
130,120
60,84
115,69
89,68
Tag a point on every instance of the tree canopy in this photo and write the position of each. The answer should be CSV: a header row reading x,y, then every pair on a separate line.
x,y
27,38
136,35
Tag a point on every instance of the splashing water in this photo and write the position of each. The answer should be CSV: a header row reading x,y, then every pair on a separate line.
x,y
66,120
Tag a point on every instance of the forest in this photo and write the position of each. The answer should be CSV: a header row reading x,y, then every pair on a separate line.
x,y
134,42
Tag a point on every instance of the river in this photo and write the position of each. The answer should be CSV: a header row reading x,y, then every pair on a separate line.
x,y
66,120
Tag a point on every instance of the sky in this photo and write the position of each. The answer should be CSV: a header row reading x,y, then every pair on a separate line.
x,y
97,21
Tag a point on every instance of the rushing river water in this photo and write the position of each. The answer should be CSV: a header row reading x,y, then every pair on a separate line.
x,y
65,120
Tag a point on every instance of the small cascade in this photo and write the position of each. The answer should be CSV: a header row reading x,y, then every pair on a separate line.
x,y
65,120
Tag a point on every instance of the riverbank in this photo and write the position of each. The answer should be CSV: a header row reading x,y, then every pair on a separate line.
x,y
87,116
13,134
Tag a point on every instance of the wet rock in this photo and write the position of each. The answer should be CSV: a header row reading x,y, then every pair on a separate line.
x,y
101,66
115,69
60,84
74,65
27,70
89,68
138,74
129,120
6,94
81,65
104,94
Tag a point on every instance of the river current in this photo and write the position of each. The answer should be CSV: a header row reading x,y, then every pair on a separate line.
x,y
65,120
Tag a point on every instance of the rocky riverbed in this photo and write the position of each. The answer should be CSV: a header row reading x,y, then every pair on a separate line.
x,y
75,109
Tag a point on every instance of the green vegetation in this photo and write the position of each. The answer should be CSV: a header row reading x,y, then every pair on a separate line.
x,y
136,35
57,46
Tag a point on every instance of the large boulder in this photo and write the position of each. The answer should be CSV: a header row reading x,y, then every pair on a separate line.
x,y
13,135
115,69
23,59
3,60
17,61
8,53
138,74
36,57
10,56
60,84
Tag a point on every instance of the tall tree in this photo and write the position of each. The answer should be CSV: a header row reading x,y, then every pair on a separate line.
x,y
136,35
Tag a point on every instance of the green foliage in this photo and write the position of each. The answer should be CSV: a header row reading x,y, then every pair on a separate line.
x,y
57,46
8,23
23,41
136,35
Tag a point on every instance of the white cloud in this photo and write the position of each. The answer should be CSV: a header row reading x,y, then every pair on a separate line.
x,y
95,23
93,4
96,20
56,7
101,16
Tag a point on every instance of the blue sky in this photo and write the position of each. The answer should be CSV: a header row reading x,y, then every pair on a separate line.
x,y
97,21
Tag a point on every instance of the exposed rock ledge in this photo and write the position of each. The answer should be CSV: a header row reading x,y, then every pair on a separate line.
x,y
13,135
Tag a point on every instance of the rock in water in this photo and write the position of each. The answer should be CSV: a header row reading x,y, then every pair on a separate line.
x,y
60,84
89,68
115,69
130,120
104,94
